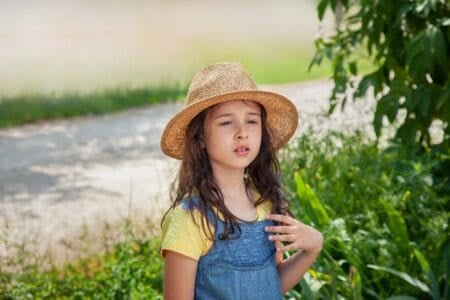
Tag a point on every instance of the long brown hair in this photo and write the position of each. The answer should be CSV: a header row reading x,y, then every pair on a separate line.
x,y
195,176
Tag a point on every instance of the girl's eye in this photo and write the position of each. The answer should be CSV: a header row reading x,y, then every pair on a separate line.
x,y
253,121
225,123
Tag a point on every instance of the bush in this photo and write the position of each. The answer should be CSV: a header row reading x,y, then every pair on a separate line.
x,y
384,225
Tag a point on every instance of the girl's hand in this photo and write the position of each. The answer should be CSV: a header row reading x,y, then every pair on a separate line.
x,y
292,234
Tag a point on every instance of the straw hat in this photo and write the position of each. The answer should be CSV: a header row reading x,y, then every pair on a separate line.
x,y
225,82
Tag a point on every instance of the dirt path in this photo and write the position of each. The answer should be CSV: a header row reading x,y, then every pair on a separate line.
x,y
57,176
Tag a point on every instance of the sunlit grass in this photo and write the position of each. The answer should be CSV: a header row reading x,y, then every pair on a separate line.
x,y
31,108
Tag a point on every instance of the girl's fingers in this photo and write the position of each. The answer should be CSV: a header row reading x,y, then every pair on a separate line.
x,y
278,254
282,238
294,234
282,219
288,247
279,229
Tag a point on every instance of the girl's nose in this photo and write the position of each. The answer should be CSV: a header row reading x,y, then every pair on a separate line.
x,y
242,132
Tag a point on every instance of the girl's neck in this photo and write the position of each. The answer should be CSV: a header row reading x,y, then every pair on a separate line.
x,y
238,200
232,186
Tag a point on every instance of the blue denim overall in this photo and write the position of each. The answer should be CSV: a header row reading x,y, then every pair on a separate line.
x,y
239,268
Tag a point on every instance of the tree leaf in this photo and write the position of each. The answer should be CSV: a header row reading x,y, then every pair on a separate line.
x,y
317,59
388,106
378,122
444,97
399,88
333,4
437,50
417,62
321,8
407,132
365,83
352,66
427,53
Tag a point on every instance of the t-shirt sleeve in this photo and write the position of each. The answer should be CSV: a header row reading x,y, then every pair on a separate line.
x,y
182,235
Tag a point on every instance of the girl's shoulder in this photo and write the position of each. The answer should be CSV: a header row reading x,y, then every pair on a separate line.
x,y
186,209
181,232
189,203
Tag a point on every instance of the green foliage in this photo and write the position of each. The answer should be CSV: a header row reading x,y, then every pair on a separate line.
x,y
408,42
31,108
133,270
385,227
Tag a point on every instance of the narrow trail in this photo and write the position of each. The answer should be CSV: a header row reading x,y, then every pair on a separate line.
x,y
57,176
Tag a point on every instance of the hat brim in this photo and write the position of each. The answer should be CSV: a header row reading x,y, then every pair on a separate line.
x,y
282,119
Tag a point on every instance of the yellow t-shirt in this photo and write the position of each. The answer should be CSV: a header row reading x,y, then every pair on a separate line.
x,y
182,235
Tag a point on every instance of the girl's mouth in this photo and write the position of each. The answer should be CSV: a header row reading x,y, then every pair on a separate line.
x,y
242,150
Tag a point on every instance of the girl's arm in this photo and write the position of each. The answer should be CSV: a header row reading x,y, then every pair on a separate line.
x,y
297,236
179,276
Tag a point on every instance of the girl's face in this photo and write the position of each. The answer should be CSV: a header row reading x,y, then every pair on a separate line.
x,y
232,134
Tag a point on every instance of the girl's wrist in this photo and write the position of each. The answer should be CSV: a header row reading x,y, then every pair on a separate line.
x,y
318,245
314,251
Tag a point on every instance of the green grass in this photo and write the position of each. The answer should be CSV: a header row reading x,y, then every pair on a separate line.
x,y
131,271
31,108
383,213
127,265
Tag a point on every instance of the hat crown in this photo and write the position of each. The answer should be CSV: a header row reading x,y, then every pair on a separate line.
x,y
219,79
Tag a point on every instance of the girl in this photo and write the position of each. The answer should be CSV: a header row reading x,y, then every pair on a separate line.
x,y
224,235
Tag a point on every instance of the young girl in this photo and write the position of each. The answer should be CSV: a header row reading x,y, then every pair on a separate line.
x,y
225,233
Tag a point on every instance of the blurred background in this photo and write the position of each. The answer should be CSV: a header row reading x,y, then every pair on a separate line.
x,y
81,198
83,46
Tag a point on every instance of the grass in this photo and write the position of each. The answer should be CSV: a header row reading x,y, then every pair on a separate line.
x,y
382,212
125,265
31,108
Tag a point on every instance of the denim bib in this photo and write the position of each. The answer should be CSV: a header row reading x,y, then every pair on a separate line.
x,y
237,268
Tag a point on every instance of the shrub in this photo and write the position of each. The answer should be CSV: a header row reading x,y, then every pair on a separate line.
x,y
384,225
